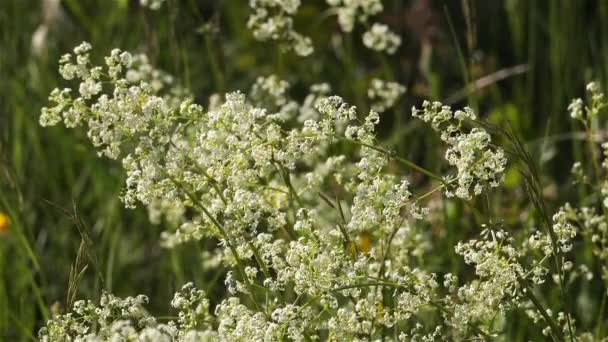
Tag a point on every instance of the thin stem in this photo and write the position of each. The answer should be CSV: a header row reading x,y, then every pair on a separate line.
x,y
215,67
224,234
525,276
259,259
539,307
251,245
591,143
287,179
533,185
395,157
600,318
347,241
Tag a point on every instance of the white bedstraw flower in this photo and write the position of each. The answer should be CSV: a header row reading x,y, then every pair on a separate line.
x,y
89,88
380,38
479,165
152,4
576,109
273,20
353,11
270,91
384,94
579,110
564,231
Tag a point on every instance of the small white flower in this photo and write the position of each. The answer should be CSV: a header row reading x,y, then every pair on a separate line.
x,y
380,38
576,109
152,4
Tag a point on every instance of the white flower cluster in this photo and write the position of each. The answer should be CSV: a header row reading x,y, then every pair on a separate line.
x,y
564,232
273,20
497,287
272,93
380,38
384,94
135,87
576,109
308,110
579,111
116,319
351,11
152,4
478,164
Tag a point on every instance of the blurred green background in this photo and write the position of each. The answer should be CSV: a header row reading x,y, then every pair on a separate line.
x,y
518,62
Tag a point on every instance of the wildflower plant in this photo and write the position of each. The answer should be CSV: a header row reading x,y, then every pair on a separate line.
x,y
321,238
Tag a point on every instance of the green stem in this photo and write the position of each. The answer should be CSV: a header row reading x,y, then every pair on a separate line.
x,y
224,235
600,318
591,143
395,157
215,66
256,252
539,307
259,259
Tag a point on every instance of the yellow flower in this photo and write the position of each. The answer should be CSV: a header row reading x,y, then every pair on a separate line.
x,y
365,242
4,223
